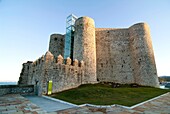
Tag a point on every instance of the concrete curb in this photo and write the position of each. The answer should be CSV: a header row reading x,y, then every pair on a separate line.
x,y
61,101
107,106
97,106
148,100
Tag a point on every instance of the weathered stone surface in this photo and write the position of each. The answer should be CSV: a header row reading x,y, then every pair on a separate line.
x,y
75,63
60,59
16,89
82,63
126,55
24,75
145,72
68,62
56,46
49,57
114,63
64,76
85,46
100,54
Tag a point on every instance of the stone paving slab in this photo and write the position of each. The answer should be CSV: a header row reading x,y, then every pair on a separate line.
x,y
16,104
157,106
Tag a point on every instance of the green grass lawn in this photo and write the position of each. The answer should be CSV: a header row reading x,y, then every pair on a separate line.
x,y
103,94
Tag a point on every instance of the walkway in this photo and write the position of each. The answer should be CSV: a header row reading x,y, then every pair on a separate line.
x,y
47,104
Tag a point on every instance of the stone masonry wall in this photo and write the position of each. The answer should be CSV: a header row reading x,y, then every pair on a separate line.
x,y
25,71
100,54
46,68
56,45
16,89
142,55
114,59
126,55
85,46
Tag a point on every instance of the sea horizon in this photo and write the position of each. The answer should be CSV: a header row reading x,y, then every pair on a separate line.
x,y
8,83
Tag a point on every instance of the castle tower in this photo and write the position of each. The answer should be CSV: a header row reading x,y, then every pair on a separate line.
x,y
56,46
145,72
85,47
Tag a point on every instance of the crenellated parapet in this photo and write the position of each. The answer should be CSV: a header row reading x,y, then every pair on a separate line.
x,y
68,61
60,59
49,58
67,74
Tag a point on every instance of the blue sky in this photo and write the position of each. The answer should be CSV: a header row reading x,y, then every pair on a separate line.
x,y
25,27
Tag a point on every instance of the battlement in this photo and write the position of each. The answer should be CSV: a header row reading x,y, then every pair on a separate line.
x,y
49,57
47,67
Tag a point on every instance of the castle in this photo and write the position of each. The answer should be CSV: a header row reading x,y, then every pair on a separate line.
x,y
93,55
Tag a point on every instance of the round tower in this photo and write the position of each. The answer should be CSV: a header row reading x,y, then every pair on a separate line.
x,y
56,46
145,72
85,47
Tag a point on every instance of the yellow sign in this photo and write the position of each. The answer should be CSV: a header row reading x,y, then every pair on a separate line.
x,y
50,85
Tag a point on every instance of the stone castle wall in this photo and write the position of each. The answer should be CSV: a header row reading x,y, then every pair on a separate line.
x,y
85,46
46,68
126,55
56,45
145,72
114,61
109,55
17,89
23,79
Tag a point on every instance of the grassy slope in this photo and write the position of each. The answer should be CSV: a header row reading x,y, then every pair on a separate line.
x,y
106,95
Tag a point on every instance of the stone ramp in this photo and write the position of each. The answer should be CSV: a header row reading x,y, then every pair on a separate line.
x,y
48,104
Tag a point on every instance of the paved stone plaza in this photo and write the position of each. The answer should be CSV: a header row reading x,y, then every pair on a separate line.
x,y
17,104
